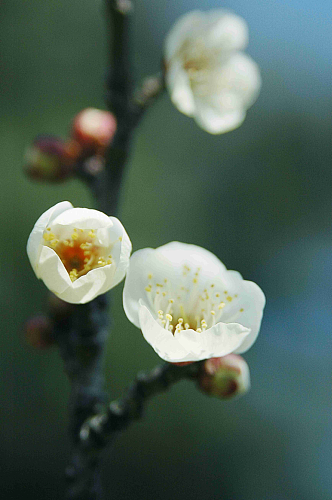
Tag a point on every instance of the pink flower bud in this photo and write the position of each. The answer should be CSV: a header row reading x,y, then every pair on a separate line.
x,y
224,377
50,158
39,332
94,129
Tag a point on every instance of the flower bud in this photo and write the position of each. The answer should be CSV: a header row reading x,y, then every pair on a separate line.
x,y
224,377
50,158
39,332
94,129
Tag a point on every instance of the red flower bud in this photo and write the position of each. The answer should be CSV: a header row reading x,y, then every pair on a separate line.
x,y
39,332
224,377
94,129
50,158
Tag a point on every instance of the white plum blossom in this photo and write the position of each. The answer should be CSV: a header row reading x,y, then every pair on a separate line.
x,y
79,253
207,75
188,306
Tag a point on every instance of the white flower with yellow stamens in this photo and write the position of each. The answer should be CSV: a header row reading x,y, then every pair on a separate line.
x,y
207,76
79,253
188,306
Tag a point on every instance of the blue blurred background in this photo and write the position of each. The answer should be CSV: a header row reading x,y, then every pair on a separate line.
x,y
258,197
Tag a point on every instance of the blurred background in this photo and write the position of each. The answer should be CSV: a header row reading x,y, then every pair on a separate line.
x,y
258,197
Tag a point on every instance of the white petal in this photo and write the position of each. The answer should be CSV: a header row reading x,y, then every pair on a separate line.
x,y
252,314
225,30
183,27
83,218
162,341
141,264
35,240
121,254
217,341
215,121
178,254
179,88
52,271
240,75
88,287
82,290
246,296
189,345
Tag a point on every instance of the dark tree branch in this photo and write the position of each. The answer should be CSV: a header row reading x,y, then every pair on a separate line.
x,y
118,80
100,428
81,335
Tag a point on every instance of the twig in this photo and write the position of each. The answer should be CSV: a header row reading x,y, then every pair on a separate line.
x,y
100,428
82,334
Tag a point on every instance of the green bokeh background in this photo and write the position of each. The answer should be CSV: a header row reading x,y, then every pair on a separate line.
x,y
258,197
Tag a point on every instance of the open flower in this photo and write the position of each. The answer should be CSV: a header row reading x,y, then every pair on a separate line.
x,y
79,253
207,76
188,306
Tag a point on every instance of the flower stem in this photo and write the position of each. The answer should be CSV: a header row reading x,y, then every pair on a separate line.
x,y
82,334
98,430
81,337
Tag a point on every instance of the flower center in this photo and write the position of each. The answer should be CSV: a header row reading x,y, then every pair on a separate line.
x,y
197,58
185,304
79,253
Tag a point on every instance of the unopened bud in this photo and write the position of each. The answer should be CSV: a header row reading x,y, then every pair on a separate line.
x,y
224,377
94,129
39,332
50,158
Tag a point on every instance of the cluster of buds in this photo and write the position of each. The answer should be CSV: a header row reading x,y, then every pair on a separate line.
x,y
53,159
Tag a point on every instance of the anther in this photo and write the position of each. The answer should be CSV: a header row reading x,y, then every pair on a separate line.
x,y
73,274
